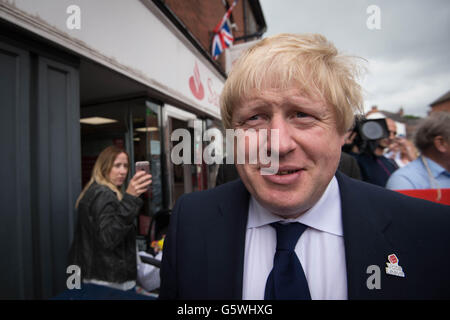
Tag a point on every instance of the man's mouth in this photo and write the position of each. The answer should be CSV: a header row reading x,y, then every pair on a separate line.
x,y
286,175
285,172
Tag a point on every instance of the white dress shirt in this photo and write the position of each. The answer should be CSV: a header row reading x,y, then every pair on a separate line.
x,y
320,248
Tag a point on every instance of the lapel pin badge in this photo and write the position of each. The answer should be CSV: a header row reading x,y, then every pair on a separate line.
x,y
393,268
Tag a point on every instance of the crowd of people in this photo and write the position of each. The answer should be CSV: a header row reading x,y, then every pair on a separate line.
x,y
430,169
306,232
397,163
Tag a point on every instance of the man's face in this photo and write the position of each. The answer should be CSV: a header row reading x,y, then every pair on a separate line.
x,y
392,129
309,148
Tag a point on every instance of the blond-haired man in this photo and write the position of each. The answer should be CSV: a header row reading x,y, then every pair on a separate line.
x,y
304,231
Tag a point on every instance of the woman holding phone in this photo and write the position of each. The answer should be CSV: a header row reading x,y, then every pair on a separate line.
x,y
104,246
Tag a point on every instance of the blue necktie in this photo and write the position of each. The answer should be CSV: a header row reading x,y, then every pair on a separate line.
x,y
287,280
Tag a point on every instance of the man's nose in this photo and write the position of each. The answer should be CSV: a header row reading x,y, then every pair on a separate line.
x,y
286,142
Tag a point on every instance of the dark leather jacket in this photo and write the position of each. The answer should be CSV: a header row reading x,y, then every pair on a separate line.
x,y
104,245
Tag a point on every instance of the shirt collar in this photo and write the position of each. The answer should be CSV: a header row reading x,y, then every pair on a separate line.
x,y
435,168
325,215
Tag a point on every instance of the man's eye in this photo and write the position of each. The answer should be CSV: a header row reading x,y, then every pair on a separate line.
x,y
301,115
254,120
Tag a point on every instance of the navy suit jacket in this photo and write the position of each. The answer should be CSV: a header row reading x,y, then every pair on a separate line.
x,y
204,248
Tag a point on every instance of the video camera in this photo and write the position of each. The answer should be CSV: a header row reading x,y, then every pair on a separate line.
x,y
368,133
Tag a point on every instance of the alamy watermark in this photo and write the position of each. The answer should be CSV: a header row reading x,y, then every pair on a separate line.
x,y
74,280
74,19
251,145
374,280
374,20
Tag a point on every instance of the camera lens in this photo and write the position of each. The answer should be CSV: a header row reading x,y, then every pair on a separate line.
x,y
372,130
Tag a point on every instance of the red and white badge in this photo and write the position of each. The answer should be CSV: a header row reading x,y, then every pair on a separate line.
x,y
393,268
393,258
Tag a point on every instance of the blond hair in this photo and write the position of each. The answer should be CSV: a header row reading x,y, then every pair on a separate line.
x,y
308,61
101,170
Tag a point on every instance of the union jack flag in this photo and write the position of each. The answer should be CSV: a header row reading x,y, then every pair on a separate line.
x,y
223,38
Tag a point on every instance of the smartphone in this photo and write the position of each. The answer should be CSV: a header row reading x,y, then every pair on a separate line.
x,y
143,165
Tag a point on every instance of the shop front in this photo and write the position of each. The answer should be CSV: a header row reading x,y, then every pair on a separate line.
x,y
68,93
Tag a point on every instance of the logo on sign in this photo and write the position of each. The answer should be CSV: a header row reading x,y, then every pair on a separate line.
x,y
213,96
196,84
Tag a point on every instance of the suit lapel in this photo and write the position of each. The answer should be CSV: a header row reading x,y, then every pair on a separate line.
x,y
364,239
225,243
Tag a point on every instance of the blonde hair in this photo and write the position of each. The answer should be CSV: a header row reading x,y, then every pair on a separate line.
x,y
102,168
308,61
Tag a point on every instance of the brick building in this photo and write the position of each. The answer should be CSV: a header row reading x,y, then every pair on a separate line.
x,y
200,17
441,104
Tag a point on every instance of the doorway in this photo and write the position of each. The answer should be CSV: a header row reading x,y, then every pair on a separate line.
x,y
185,177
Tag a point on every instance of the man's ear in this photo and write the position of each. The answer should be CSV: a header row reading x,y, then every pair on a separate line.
x,y
344,138
440,144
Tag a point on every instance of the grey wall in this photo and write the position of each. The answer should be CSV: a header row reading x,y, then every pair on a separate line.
x,y
15,219
58,167
40,168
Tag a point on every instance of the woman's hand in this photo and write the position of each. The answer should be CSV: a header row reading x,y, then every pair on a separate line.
x,y
407,149
139,183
